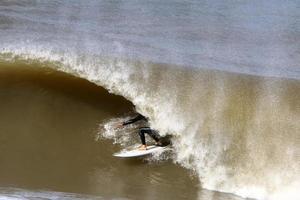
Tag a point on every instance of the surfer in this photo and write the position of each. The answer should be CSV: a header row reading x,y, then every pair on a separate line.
x,y
160,141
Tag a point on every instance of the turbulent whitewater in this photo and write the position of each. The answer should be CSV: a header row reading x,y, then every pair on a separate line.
x,y
223,79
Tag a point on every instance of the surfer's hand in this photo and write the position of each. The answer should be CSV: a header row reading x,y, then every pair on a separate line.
x,y
119,125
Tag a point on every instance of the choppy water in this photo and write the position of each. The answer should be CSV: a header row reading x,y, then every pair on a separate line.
x,y
174,60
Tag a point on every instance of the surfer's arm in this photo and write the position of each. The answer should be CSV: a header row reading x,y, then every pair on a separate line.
x,y
137,118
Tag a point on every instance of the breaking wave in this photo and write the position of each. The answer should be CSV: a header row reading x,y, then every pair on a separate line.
x,y
239,133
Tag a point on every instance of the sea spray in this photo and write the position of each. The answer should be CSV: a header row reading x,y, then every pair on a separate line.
x,y
122,136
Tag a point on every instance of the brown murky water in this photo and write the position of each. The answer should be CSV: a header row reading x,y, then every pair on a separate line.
x,y
48,124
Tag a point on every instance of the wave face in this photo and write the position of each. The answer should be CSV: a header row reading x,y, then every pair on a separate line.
x,y
238,132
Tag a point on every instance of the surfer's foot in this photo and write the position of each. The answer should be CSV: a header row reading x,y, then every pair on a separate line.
x,y
143,147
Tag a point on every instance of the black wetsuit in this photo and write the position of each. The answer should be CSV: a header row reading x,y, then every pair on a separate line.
x,y
152,133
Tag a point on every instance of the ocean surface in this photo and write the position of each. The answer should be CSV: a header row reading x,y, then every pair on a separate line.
x,y
223,78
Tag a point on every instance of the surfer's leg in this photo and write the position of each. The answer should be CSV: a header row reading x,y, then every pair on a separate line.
x,y
142,135
154,134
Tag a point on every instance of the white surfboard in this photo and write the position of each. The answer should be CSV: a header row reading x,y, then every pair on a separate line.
x,y
136,152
